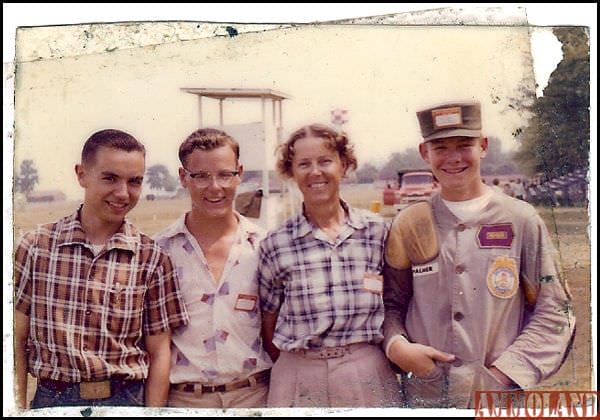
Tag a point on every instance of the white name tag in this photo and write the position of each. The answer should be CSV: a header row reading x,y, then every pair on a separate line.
x,y
425,269
245,302
373,283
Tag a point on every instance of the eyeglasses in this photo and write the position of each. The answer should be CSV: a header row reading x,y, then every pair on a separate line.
x,y
203,179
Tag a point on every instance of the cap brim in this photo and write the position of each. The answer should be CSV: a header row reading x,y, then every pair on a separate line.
x,y
454,132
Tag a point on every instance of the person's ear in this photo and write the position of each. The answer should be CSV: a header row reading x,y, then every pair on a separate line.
x,y
424,151
80,173
182,178
483,143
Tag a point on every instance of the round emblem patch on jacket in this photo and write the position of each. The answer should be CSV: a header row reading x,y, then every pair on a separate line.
x,y
502,279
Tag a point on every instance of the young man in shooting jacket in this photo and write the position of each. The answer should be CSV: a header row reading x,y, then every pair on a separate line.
x,y
473,293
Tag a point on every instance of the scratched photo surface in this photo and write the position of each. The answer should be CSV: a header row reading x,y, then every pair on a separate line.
x,y
144,78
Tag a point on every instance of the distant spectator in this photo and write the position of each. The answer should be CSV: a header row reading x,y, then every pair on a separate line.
x,y
518,189
496,184
507,189
531,191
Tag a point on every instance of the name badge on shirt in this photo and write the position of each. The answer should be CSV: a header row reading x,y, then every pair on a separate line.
x,y
425,269
245,303
500,235
373,283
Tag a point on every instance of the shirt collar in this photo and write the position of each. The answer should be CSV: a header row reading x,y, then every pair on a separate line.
x,y
71,232
246,229
302,227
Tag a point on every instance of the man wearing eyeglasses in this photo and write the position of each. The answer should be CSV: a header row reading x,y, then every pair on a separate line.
x,y
217,360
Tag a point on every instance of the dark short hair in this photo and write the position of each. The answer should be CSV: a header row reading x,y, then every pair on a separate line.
x,y
334,140
207,139
112,138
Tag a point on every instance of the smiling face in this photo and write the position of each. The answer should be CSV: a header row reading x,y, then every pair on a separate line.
x,y
112,181
214,200
456,163
317,170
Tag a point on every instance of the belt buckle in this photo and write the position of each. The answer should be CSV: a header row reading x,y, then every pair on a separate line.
x,y
210,388
94,390
332,353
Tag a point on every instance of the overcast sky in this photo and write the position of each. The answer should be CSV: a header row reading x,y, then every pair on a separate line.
x,y
382,75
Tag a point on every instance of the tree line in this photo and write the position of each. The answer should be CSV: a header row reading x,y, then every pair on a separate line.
x,y
157,176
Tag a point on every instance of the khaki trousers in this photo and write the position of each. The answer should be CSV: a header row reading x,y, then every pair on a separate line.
x,y
359,378
247,397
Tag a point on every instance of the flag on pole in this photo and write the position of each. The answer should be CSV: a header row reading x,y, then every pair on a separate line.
x,y
339,116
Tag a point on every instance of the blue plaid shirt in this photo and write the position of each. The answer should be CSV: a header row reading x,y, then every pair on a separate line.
x,y
318,286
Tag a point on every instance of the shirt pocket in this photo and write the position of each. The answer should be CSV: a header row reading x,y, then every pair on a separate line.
x,y
125,309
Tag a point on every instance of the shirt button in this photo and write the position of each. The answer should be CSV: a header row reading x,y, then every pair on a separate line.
x,y
85,347
88,312
457,363
458,316
461,227
459,269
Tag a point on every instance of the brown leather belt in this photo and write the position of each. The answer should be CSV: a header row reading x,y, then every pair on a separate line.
x,y
89,390
329,352
260,377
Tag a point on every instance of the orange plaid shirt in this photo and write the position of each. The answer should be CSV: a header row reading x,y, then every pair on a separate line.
x,y
88,314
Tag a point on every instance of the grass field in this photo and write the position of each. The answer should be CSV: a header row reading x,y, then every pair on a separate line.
x,y
568,226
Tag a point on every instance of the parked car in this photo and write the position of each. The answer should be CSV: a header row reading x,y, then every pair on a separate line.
x,y
413,186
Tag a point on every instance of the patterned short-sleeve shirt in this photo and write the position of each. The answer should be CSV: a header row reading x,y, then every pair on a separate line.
x,y
327,293
222,343
89,313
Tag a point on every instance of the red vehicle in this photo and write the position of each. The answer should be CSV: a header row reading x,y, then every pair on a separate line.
x,y
414,185
389,195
